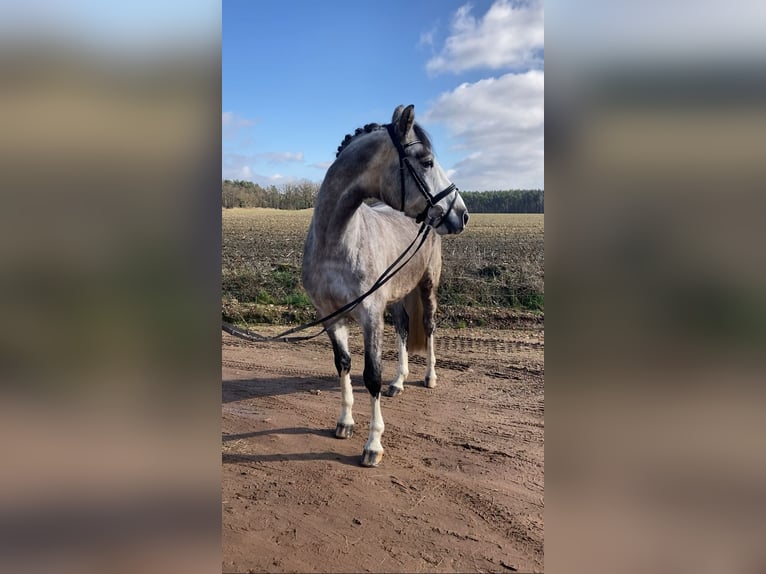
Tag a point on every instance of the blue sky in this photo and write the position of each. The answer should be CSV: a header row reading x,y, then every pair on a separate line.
x,y
298,75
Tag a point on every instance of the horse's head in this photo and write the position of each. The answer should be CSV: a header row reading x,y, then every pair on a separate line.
x,y
421,190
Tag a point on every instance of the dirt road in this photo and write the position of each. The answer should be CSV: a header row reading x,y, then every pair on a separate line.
x,y
460,487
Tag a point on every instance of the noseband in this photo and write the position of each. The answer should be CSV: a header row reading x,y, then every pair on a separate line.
x,y
432,200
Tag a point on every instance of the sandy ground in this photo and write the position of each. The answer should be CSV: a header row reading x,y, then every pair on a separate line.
x,y
460,487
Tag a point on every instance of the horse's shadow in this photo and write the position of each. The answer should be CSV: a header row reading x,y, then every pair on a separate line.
x,y
328,433
238,390
236,458
243,389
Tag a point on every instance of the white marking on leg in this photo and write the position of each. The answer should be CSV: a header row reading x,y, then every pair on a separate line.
x,y
345,426
431,364
404,366
376,426
346,399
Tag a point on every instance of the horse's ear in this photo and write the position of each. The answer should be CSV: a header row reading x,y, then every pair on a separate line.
x,y
397,113
406,121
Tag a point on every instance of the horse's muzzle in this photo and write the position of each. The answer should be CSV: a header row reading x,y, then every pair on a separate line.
x,y
454,223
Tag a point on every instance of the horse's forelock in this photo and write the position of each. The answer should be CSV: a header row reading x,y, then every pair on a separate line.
x,y
423,136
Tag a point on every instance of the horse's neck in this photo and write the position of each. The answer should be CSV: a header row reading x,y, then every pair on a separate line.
x,y
337,208
337,214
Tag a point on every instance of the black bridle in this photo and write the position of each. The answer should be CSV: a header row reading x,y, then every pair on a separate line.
x,y
432,200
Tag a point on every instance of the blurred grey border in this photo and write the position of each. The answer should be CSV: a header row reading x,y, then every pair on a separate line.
x,y
110,132
655,287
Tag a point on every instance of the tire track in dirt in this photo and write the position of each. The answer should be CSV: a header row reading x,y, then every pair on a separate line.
x,y
485,344
311,374
518,456
511,370
444,343
484,505
498,516
511,524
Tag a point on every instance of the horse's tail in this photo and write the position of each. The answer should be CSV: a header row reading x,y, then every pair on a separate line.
x,y
416,336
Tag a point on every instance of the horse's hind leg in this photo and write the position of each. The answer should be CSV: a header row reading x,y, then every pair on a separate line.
x,y
373,334
339,337
401,323
428,296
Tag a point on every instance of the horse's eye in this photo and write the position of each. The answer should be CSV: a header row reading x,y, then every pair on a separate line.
x,y
427,164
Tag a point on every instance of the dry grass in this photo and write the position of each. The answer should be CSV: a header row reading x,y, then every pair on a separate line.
x,y
492,273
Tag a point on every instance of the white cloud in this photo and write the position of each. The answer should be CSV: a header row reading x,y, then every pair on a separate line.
x,y
232,120
427,38
234,129
279,156
238,166
245,173
498,124
507,36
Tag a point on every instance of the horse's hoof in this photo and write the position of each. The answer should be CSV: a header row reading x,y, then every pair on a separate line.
x,y
344,431
393,391
430,382
371,458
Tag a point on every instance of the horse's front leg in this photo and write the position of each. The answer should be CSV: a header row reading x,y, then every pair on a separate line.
x,y
373,335
339,337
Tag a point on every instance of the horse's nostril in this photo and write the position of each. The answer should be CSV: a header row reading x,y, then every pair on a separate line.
x,y
465,218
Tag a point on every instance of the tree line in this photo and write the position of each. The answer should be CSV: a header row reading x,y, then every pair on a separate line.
x,y
298,195
508,201
301,195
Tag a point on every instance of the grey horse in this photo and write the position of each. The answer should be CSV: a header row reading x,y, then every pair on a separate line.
x,y
363,219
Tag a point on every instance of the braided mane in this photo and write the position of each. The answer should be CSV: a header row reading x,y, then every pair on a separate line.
x,y
421,134
349,138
